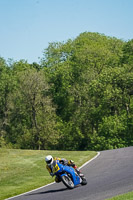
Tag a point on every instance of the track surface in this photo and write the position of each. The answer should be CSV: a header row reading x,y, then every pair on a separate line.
x,y
108,175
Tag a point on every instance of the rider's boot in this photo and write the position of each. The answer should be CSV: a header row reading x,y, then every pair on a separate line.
x,y
76,168
78,171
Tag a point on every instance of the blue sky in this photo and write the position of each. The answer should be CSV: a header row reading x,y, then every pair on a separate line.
x,y
28,26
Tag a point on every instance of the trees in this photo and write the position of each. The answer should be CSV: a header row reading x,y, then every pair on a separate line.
x,y
80,96
89,90
28,117
33,110
6,87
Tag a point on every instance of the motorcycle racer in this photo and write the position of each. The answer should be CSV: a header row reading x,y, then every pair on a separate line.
x,y
49,165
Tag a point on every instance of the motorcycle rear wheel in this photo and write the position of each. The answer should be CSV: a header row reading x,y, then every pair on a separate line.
x,y
84,181
67,182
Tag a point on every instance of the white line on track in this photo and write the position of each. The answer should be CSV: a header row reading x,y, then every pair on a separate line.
x,y
98,153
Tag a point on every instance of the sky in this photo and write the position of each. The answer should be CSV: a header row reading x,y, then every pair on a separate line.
x,y
28,26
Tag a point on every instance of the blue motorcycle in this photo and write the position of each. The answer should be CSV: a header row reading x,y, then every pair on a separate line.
x,y
68,175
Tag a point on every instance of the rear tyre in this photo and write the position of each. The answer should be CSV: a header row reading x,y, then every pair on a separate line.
x,y
84,181
67,182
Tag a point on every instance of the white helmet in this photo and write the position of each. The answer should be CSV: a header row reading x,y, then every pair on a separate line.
x,y
49,160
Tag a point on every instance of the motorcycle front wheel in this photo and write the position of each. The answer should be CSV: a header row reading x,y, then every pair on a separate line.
x,y
67,182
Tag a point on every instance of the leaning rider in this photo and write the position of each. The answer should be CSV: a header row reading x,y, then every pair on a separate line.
x,y
49,161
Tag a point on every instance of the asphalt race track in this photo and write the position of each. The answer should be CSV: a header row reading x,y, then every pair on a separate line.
x,y
110,174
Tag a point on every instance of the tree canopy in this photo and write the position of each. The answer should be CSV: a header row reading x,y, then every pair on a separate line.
x,y
80,97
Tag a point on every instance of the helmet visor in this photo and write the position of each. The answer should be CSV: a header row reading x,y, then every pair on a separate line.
x,y
49,161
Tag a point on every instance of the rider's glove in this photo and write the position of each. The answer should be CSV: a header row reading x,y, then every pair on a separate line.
x,y
71,161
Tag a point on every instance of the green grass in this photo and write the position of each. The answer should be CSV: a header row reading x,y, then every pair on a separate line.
x,y
128,196
24,170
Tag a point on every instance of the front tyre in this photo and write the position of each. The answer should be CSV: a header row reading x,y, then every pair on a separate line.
x,y
67,182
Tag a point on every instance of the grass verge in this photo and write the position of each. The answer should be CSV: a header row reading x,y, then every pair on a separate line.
x,y
24,170
128,196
